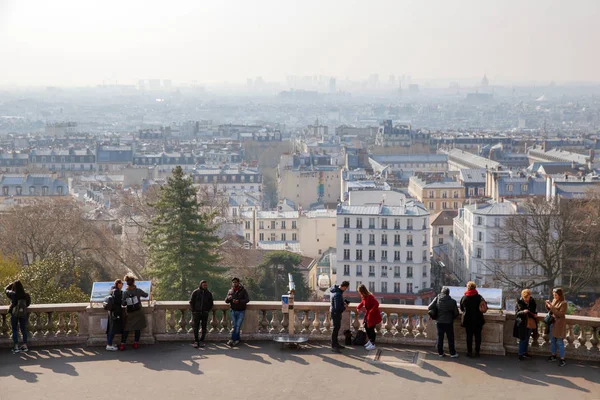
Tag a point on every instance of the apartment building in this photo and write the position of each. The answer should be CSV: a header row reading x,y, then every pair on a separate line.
x,y
437,193
387,249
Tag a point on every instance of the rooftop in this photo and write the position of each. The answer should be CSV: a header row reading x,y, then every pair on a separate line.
x,y
409,209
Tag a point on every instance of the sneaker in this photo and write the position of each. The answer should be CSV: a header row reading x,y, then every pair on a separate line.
x,y
470,355
335,350
526,355
230,343
371,347
201,344
235,343
339,346
441,355
16,349
24,348
522,358
111,348
135,345
195,345
455,355
552,358
562,362
477,355
367,344
122,347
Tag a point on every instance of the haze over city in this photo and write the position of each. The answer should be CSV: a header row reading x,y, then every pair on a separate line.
x,y
79,43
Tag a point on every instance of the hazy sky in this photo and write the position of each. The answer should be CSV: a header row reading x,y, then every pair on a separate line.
x,y
81,42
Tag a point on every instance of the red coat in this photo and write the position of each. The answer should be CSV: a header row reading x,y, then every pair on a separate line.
x,y
373,315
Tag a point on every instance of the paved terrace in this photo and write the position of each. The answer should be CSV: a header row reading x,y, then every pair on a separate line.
x,y
66,358
262,370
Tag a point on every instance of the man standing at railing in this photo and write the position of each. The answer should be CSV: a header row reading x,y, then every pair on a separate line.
x,y
201,303
338,306
237,297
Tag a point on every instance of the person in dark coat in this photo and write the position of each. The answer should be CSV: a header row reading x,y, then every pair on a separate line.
x,y
18,314
525,310
372,315
115,316
201,304
135,319
447,311
237,298
473,319
338,306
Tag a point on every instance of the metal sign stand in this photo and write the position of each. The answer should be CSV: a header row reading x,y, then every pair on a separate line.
x,y
287,307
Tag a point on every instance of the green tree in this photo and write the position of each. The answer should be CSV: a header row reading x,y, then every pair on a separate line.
x,y
180,239
275,268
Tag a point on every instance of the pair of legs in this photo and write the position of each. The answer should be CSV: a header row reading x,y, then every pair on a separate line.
x,y
237,318
524,344
136,337
557,344
200,319
17,323
371,334
336,320
474,331
448,330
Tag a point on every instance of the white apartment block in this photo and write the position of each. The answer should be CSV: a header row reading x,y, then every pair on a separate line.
x,y
386,248
478,252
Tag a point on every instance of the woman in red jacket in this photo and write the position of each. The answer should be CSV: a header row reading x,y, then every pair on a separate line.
x,y
372,314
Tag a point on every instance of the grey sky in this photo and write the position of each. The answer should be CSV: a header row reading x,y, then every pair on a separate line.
x,y
80,42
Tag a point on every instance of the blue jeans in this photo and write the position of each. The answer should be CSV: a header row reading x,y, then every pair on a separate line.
x,y
557,342
447,329
15,324
524,343
237,318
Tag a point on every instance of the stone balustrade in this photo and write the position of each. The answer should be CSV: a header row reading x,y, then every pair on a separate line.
x,y
57,324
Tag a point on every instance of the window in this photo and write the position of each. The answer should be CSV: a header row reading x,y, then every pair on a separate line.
x,y
409,288
383,287
261,236
346,270
396,256
479,252
396,287
431,206
523,254
282,224
455,194
509,187
424,274
371,255
431,194
247,224
346,238
441,230
396,240
471,192
409,224
384,239
283,237
4,190
272,237
19,190
372,287
479,220
272,224
409,256
424,255
496,222
409,272
396,272
444,205
346,222
480,236
359,238
346,254
383,255
31,190
441,241
294,237
358,283
444,195
371,270
359,223
60,190
524,188
496,253
294,225
371,239
455,205
481,191
396,224
359,254
384,223
359,270
409,240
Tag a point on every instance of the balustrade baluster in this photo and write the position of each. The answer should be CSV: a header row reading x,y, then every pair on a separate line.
x,y
49,326
535,336
285,323
61,326
275,322
171,322
570,338
420,327
38,326
72,325
398,326
388,325
182,323
594,339
326,324
305,323
214,323
224,322
264,324
316,323
410,327
3,328
191,323
355,322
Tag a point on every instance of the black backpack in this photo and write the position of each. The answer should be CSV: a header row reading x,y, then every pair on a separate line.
x,y
109,303
433,313
360,339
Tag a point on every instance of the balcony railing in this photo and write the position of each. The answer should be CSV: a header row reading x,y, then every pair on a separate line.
x,y
81,323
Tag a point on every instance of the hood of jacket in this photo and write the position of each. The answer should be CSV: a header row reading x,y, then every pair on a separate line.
x,y
335,289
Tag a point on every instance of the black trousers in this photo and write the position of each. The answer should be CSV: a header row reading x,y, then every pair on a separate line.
x,y
336,319
200,318
447,329
473,331
371,334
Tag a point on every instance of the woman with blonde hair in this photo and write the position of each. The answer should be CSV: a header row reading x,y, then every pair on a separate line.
x,y
472,318
372,314
558,328
525,322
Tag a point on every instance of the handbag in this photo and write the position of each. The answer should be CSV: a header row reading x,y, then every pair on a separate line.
x,y
549,319
531,323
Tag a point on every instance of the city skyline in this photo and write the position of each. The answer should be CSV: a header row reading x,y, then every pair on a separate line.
x,y
73,44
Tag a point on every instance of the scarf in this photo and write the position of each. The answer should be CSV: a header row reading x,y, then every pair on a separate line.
x,y
471,292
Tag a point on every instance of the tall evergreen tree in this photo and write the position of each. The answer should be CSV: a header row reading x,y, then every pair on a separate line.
x,y
181,240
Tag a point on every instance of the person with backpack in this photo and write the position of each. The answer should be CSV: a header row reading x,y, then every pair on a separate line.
x,y
473,306
338,306
135,319
115,314
19,302
201,304
238,298
445,310
558,325
372,315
